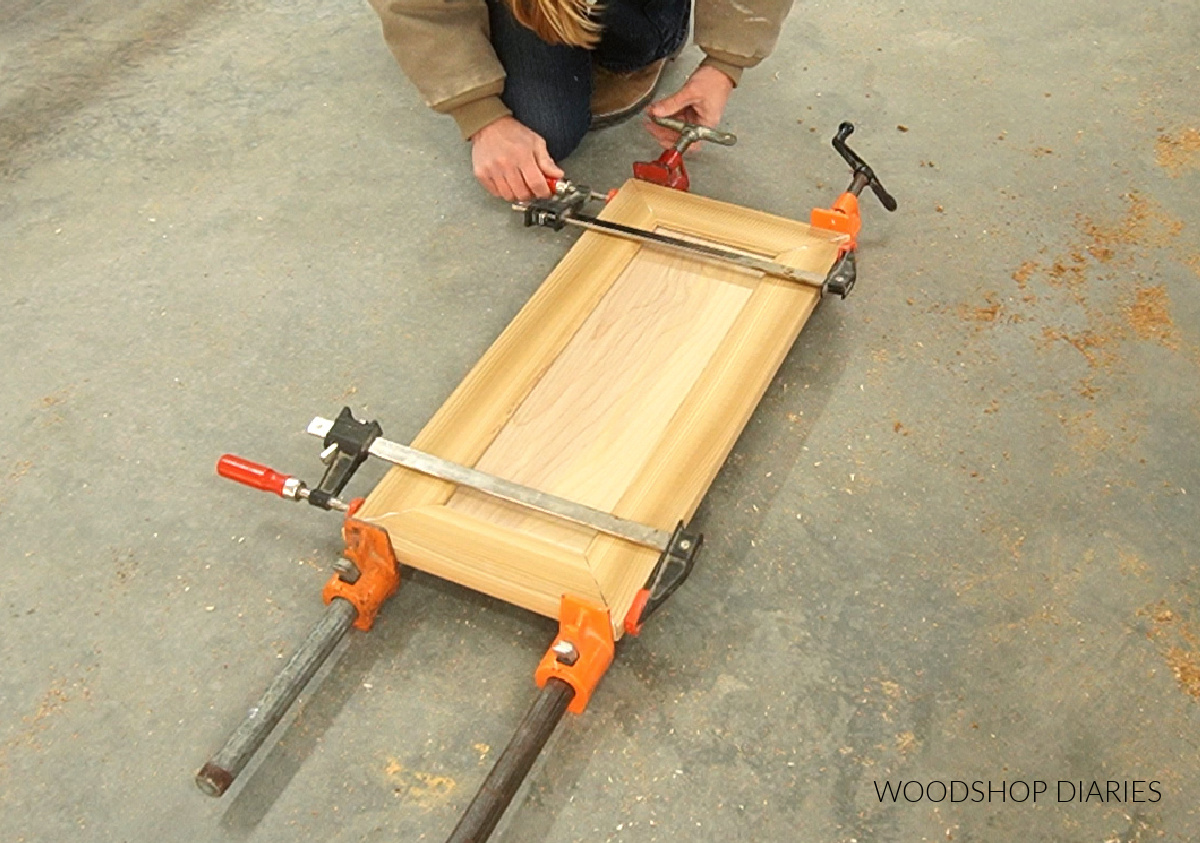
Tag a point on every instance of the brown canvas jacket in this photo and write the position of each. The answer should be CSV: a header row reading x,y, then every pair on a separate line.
x,y
443,47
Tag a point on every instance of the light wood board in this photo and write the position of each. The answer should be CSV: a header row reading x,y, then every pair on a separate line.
x,y
622,384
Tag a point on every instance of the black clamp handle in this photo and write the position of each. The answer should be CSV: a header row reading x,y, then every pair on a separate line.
x,y
864,176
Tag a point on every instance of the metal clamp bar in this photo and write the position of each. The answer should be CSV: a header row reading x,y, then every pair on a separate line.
x,y
507,490
218,774
502,783
697,250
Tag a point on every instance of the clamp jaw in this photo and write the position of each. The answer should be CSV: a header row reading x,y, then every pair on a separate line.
x,y
842,275
368,572
566,198
668,169
844,216
674,566
582,650
347,446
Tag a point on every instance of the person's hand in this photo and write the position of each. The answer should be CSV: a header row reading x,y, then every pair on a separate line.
x,y
511,162
701,100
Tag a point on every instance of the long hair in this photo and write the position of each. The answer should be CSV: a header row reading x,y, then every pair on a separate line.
x,y
570,22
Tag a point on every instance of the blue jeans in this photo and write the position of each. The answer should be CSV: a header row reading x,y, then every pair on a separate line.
x,y
549,87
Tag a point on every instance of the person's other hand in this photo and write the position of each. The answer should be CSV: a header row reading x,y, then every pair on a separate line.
x,y
701,100
511,162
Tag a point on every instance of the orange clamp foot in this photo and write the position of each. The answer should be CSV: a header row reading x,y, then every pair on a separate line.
x,y
582,651
843,218
370,549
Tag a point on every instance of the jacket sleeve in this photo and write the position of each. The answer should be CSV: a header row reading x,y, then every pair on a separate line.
x,y
444,49
736,34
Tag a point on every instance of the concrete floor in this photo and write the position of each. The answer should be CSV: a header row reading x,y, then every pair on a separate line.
x,y
958,539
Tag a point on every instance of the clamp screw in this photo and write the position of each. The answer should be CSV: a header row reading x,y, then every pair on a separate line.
x,y
347,570
293,488
565,653
685,544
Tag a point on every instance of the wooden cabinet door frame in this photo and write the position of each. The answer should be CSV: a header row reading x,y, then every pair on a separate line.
x,y
720,335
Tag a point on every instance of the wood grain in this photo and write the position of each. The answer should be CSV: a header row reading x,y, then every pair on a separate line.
x,y
589,426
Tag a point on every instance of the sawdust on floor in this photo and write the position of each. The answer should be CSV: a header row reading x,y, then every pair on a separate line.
x,y
1106,252
1131,564
424,789
1084,434
1150,317
983,316
1144,224
1182,650
60,693
906,742
1179,152
1097,347
1023,272
1185,664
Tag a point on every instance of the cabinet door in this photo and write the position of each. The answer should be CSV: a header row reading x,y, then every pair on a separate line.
x,y
622,385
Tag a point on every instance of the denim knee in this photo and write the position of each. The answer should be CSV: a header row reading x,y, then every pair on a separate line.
x,y
547,86
562,123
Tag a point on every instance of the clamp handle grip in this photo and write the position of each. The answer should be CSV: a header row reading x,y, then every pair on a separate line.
x,y
864,176
696,131
254,475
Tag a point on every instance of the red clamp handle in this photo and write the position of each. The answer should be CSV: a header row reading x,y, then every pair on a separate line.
x,y
254,475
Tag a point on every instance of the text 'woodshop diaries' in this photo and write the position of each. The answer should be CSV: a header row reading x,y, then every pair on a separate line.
x,y
1018,791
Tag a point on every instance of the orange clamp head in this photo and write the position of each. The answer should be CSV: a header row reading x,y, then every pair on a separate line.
x,y
370,549
582,651
843,218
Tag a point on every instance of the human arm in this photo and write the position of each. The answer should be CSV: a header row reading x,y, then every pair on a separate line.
x,y
511,162
734,35
701,100
443,47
